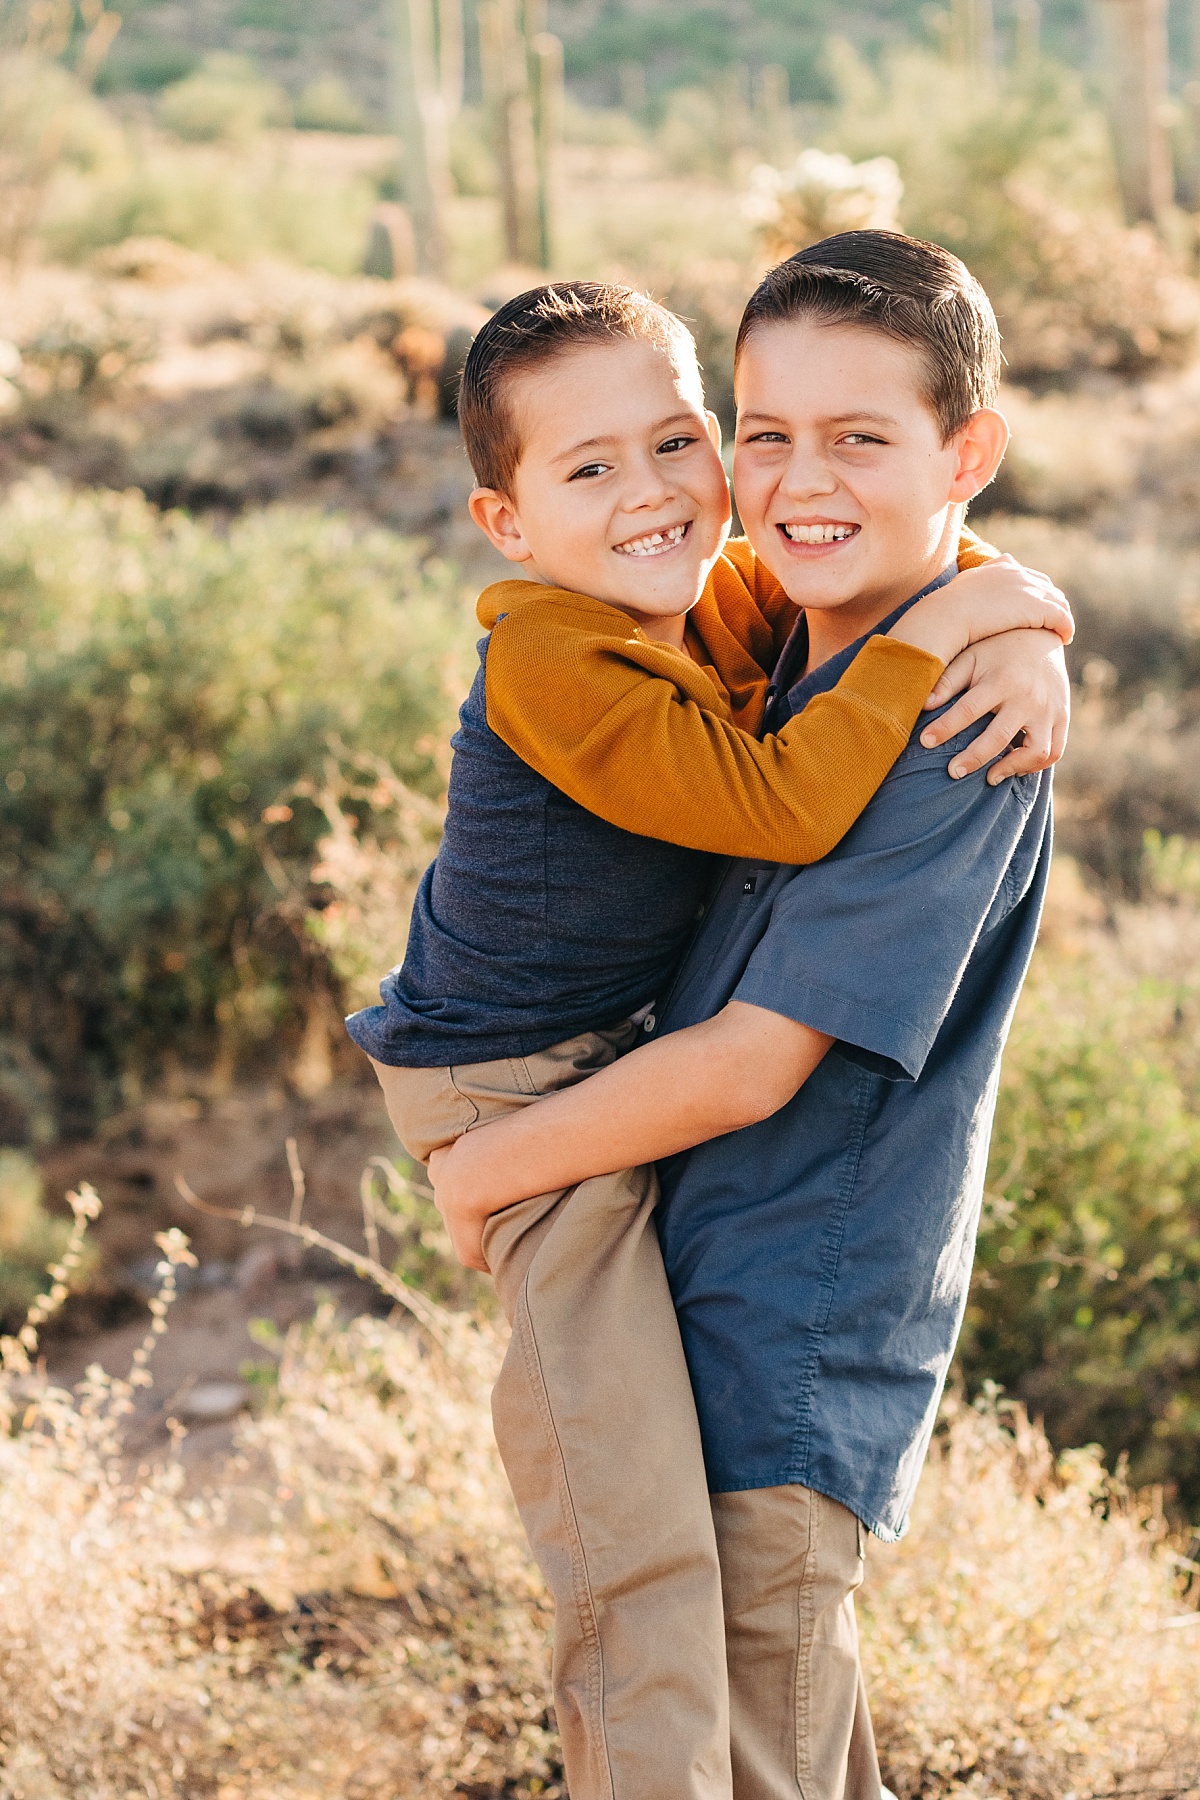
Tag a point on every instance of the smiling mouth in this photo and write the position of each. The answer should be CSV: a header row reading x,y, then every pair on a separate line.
x,y
654,543
819,534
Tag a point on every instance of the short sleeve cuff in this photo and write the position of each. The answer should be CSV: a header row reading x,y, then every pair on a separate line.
x,y
866,1035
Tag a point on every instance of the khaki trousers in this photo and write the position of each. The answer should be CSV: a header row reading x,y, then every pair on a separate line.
x,y
791,1562
652,1579
596,1427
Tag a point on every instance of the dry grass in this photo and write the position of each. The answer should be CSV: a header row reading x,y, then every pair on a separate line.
x,y
357,1615
1026,1639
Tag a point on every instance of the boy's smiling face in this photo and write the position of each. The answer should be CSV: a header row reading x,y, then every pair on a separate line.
x,y
845,485
619,492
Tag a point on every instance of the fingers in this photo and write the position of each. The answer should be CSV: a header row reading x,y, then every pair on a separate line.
x,y
467,1242
1059,617
953,679
1022,759
1039,751
991,742
970,707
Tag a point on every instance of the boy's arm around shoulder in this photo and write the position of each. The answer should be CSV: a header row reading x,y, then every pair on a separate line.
x,y
635,731
865,949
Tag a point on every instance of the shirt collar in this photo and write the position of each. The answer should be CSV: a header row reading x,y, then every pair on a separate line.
x,y
787,696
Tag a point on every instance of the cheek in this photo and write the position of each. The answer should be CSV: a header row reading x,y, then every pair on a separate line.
x,y
752,485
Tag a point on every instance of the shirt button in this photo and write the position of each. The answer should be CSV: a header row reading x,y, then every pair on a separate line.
x,y
649,1022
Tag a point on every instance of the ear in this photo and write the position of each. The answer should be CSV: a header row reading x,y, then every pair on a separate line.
x,y
980,445
496,517
714,430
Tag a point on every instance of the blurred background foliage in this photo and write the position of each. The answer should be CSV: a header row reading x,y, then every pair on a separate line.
x,y
165,689
236,581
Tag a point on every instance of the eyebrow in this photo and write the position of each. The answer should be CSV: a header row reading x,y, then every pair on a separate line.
x,y
849,418
597,443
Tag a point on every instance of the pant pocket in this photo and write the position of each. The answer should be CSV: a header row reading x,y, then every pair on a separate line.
x,y
427,1110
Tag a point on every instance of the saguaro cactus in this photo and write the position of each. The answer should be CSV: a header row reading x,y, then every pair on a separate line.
x,y
1028,46
1136,44
547,52
522,77
450,55
420,108
972,33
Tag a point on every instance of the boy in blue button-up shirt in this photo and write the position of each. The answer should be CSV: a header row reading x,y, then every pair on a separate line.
x,y
820,1089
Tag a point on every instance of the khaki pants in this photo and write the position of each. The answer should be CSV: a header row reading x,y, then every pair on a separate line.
x,y
791,1562
596,1426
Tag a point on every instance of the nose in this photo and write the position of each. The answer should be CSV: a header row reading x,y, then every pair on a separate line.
x,y
808,475
649,486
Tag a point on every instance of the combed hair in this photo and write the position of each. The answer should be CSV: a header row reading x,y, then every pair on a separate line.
x,y
914,292
528,332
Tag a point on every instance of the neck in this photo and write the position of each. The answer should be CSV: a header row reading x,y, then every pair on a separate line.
x,y
663,630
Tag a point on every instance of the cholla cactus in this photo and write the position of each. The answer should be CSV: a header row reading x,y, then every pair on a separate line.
x,y
818,195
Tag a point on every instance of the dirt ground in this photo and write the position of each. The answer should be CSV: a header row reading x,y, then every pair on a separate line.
x,y
232,1151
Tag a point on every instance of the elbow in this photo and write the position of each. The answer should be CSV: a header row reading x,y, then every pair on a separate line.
x,y
756,1096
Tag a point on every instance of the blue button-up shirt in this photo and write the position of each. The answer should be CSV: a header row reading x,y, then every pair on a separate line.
x,y
820,1260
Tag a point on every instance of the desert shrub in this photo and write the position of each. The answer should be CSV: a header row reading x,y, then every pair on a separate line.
x,y
381,1632
29,1238
369,865
237,202
1016,177
1022,1639
47,122
1086,1300
327,105
223,100
1135,603
165,688
354,1614
1137,661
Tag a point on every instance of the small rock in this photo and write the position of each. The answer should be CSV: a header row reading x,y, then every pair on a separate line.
x,y
211,1401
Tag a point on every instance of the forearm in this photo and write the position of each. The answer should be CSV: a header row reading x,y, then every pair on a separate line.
x,y
698,780
664,1097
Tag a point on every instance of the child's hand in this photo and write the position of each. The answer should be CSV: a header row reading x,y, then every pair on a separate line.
x,y
1021,677
1000,595
462,1216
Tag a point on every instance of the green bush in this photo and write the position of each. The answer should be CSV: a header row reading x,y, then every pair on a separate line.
x,y
328,105
29,1240
164,687
1086,1300
236,202
225,99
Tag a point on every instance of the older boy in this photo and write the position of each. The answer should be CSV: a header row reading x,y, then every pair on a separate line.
x,y
823,1073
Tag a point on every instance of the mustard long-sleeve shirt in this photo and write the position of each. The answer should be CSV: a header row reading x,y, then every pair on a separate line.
x,y
663,742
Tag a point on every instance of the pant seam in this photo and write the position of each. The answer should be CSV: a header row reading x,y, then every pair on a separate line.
x,y
580,1583
806,1627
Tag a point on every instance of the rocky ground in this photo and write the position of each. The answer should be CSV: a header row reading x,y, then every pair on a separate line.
x,y
218,1358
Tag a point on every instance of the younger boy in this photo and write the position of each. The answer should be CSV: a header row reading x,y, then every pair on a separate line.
x,y
607,751
831,1044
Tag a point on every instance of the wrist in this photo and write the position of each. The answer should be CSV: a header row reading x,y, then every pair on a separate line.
x,y
935,629
470,1177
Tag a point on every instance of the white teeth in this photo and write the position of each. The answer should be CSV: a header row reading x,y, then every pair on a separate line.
x,y
654,542
819,534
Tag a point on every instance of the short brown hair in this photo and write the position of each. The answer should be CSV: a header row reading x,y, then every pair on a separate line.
x,y
526,333
915,292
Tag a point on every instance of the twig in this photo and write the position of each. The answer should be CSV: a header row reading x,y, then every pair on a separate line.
x,y
366,1194
427,1312
296,1170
